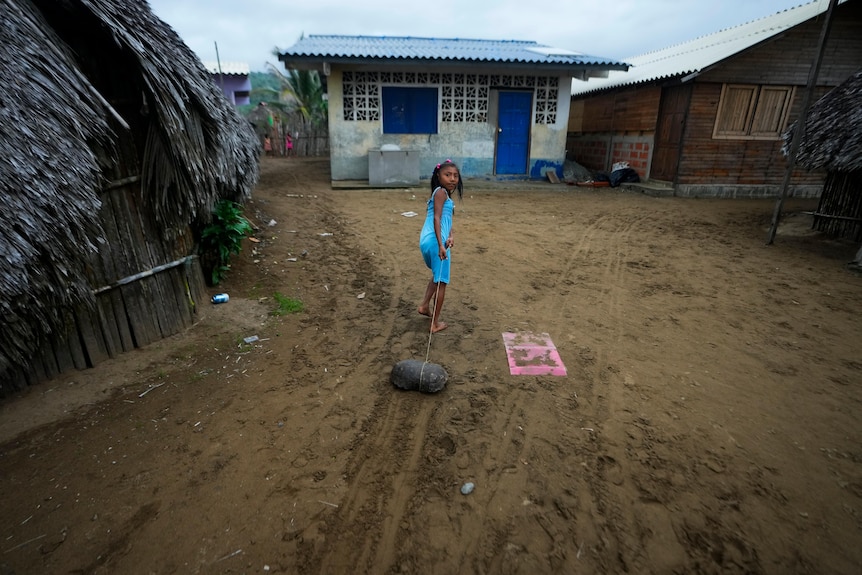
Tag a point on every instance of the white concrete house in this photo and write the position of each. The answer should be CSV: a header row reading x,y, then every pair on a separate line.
x,y
400,105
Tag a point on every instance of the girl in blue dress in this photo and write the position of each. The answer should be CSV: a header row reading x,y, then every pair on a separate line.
x,y
436,240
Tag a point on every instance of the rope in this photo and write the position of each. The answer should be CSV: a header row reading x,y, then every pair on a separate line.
x,y
431,329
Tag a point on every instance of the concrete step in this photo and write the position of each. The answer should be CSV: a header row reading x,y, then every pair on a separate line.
x,y
655,188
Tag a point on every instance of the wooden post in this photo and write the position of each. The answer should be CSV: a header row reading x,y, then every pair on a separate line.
x,y
799,127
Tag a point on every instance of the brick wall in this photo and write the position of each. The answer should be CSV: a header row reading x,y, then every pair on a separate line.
x,y
590,151
634,150
602,151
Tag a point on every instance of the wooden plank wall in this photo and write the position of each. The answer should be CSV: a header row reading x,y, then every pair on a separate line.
x,y
787,58
313,143
731,161
130,315
632,111
90,337
611,121
576,117
150,308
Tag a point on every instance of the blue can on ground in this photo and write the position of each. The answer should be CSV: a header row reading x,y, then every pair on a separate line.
x,y
220,298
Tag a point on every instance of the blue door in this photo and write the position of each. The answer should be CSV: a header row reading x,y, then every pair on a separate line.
x,y
513,132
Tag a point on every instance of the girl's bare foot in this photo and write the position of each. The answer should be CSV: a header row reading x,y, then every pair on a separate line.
x,y
439,327
424,310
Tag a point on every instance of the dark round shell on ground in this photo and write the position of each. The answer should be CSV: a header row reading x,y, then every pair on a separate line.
x,y
416,375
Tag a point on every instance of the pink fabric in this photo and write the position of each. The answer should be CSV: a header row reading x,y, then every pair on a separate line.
x,y
532,354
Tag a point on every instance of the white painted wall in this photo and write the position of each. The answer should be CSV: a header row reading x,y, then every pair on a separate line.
x,y
470,144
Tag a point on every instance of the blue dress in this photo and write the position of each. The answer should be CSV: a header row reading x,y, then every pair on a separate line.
x,y
428,239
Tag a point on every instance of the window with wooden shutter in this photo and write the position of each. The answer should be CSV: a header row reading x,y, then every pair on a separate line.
x,y
751,112
770,115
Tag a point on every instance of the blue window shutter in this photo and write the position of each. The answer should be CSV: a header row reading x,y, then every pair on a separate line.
x,y
394,110
425,111
409,110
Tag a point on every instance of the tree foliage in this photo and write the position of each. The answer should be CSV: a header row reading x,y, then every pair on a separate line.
x,y
301,91
298,93
223,238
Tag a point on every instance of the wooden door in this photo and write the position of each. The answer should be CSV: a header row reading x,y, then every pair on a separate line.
x,y
670,132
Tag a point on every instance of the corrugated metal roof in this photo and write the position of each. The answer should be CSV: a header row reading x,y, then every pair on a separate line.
x,y
693,57
443,49
227,68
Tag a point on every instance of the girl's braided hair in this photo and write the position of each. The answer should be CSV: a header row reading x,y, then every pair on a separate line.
x,y
435,178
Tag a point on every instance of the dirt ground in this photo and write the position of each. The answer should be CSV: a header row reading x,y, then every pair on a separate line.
x,y
709,421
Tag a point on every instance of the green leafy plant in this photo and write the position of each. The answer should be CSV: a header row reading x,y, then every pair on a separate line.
x,y
223,237
286,304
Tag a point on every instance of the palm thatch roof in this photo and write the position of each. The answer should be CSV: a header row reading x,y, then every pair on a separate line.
x,y
60,136
832,138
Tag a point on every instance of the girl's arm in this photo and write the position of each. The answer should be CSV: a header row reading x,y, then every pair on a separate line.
x,y
440,197
450,241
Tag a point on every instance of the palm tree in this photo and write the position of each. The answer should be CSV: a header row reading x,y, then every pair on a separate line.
x,y
302,92
295,100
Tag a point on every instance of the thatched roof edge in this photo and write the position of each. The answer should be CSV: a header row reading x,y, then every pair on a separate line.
x,y
832,138
202,149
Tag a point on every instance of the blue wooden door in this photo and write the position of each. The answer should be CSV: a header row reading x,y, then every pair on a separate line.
x,y
513,132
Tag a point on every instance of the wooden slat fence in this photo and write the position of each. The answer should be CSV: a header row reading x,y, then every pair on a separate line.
x,y
146,288
313,143
839,212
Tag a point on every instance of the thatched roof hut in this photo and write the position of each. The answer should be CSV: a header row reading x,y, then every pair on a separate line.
x,y
99,95
832,138
832,141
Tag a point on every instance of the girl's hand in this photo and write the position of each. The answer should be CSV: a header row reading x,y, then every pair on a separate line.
x,y
450,242
442,252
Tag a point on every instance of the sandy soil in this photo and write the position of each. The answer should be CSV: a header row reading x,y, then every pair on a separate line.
x,y
709,421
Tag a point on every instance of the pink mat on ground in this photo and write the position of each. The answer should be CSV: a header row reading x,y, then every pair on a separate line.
x,y
532,354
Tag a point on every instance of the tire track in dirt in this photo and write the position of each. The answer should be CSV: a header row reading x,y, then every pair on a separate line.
x,y
552,528
609,459
354,522
591,359
517,449
400,503
586,427
448,433
617,429
366,526
583,249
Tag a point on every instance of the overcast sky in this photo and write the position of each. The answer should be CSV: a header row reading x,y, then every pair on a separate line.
x,y
248,30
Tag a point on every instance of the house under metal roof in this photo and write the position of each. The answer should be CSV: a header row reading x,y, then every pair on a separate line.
x,y
314,50
690,59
